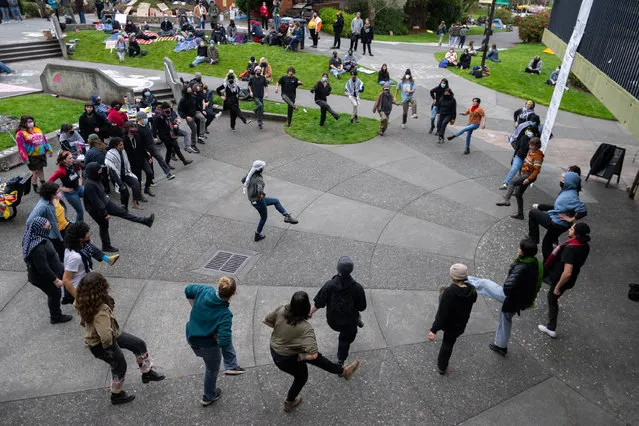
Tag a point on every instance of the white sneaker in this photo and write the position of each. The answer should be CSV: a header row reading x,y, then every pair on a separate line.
x,y
535,206
544,329
414,115
218,115
403,126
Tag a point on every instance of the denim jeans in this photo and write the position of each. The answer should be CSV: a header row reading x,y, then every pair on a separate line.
x,y
83,19
5,14
212,357
4,68
488,288
469,129
514,168
259,109
74,198
502,335
230,358
261,207
15,11
336,72
199,59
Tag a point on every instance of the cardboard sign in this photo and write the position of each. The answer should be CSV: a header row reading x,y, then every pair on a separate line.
x,y
163,7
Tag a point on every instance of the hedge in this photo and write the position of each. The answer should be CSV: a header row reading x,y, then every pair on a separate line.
x,y
329,15
531,27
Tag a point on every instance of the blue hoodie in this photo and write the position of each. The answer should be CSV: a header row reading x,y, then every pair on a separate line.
x,y
567,201
100,107
210,316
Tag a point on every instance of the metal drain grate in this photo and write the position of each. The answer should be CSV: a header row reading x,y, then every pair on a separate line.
x,y
227,262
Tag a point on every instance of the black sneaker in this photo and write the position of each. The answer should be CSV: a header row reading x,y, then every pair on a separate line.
x,y
442,372
360,323
60,319
121,398
200,140
466,151
206,401
152,376
500,351
259,237
289,219
149,220
170,176
450,138
67,301
110,249
235,371
195,149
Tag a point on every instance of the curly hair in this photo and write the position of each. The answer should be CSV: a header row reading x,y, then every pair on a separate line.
x,y
74,233
91,294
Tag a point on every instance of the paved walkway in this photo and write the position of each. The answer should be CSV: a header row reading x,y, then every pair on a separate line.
x,y
405,208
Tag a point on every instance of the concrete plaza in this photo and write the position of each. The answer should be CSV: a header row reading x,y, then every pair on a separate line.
x,y
405,208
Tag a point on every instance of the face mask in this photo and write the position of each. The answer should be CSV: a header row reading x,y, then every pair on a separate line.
x,y
167,113
561,184
30,124
58,196
442,85
71,132
231,81
147,93
324,79
529,134
133,131
334,55
263,64
145,121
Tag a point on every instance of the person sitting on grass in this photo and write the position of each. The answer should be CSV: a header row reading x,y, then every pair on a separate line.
x,y
231,32
121,48
534,66
213,54
471,48
464,60
350,61
554,76
134,48
185,26
219,34
250,69
493,54
296,37
451,57
335,66
267,70
202,54
383,77
166,28
133,30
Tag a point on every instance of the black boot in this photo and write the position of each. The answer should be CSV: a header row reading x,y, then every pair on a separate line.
x,y
60,319
149,220
152,376
121,398
259,237
289,219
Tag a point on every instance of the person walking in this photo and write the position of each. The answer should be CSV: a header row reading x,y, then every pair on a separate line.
x,y
563,267
139,158
455,304
78,7
229,92
45,208
356,28
521,150
558,218
367,36
90,122
384,105
144,137
44,269
527,175
33,148
338,27
524,118
441,32
258,89
293,345
476,118
163,125
100,208
446,113
407,89
209,333
188,110
105,340
321,91
437,93
314,27
353,88
119,170
344,299
72,188
253,187
289,85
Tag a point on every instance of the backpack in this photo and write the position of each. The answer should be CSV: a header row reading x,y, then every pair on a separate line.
x,y
342,302
443,63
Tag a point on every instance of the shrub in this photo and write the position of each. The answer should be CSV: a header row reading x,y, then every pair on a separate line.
x,y
30,9
329,14
388,19
531,27
505,15
361,6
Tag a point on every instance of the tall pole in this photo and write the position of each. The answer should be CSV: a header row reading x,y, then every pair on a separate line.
x,y
489,28
566,64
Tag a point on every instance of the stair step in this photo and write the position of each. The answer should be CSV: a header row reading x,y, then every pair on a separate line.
x,y
48,49
21,58
27,47
29,44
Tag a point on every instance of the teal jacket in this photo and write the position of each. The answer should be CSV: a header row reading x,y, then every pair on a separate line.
x,y
210,319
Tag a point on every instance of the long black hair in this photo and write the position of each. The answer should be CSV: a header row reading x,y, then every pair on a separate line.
x,y
297,311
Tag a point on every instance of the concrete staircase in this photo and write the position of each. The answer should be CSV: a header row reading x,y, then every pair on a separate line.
x,y
161,92
29,51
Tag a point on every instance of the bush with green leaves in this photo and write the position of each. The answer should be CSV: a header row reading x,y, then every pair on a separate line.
x,y
29,9
388,19
329,15
505,15
531,27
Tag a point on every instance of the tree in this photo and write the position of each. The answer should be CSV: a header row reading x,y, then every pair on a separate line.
x,y
246,6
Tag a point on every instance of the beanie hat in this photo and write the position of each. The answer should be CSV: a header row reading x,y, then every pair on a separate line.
x,y
198,75
345,265
141,115
93,137
459,272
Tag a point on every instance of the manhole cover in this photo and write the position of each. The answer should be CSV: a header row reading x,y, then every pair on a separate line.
x,y
226,261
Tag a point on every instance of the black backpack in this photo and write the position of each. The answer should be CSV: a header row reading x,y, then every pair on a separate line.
x,y
633,293
342,301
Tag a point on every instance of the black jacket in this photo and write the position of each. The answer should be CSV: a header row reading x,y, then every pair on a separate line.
x,y
383,76
437,92
367,36
163,128
144,137
136,152
187,106
166,26
321,92
520,286
95,199
231,95
45,265
455,306
338,25
521,145
88,124
447,106
344,299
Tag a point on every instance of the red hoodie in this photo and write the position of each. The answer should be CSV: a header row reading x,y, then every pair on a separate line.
x,y
116,117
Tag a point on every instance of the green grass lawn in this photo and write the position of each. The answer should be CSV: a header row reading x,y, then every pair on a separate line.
x,y
425,37
508,76
48,111
305,125
308,66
